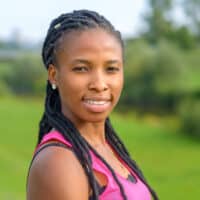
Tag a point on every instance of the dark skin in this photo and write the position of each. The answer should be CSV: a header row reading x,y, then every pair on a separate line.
x,y
89,77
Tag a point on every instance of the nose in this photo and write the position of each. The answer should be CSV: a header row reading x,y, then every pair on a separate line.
x,y
98,82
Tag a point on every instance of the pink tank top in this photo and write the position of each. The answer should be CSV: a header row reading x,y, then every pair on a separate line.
x,y
133,191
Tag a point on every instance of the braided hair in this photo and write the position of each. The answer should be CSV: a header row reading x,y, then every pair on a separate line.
x,y
80,20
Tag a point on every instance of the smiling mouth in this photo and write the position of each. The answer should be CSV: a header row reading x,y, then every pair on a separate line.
x,y
96,102
97,105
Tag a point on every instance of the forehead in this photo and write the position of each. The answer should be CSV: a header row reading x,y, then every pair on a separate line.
x,y
89,39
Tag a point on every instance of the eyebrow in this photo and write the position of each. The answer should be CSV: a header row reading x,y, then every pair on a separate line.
x,y
81,61
113,62
88,62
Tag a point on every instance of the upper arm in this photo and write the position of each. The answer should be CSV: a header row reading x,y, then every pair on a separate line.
x,y
56,174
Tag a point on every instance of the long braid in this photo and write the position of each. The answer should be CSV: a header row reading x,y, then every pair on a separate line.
x,y
121,150
64,126
53,117
111,170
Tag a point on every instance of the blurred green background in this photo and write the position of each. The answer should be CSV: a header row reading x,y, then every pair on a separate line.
x,y
158,116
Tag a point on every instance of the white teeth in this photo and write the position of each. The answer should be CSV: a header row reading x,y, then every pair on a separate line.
x,y
93,102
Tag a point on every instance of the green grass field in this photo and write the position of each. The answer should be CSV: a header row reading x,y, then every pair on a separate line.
x,y
170,161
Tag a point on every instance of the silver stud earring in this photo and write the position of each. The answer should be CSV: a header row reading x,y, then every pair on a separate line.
x,y
53,86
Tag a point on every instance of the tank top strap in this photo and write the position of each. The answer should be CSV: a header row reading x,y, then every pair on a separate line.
x,y
53,135
97,164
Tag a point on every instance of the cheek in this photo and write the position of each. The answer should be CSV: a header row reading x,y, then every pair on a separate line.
x,y
121,84
117,85
120,81
71,87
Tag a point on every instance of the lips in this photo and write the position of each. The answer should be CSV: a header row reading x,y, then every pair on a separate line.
x,y
97,104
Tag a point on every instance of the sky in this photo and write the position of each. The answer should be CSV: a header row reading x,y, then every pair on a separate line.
x,y
32,18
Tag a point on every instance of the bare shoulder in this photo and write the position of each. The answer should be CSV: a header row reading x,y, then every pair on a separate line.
x,y
56,174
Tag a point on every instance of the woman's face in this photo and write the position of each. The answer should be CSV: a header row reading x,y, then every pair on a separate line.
x,y
89,75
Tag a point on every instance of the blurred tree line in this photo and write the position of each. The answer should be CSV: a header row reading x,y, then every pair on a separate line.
x,y
161,65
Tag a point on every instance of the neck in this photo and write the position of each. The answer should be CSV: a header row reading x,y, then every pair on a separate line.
x,y
94,133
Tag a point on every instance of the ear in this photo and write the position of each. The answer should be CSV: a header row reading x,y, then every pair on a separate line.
x,y
52,74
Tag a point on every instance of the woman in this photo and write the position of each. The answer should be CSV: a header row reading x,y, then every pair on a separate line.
x,y
79,156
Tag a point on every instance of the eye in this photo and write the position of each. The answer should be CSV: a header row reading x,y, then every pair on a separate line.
x,y
80,69
112,69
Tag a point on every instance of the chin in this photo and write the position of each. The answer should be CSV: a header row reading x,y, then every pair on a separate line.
x,y
97,118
